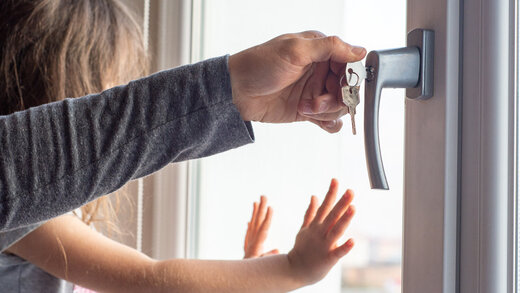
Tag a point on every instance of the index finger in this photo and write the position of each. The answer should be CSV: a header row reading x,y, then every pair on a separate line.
x,y
310,34
332,48
338,68
326,206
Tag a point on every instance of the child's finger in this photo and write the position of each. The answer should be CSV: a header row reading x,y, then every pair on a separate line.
x,y
254,216
325,207
339,228
248,235
264,228
342,250
257,242
339,209
311,211
267,221
262,209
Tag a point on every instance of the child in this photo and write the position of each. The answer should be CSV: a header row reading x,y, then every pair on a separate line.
x,y
54,49
67,248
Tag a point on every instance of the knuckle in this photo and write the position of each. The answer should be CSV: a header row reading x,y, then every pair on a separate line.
x,y
333,41
334,230
314,34
284,36
293,45
292,51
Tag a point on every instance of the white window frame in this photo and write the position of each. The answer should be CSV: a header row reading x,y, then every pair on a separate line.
x,y
171,46
175,39
460,152
431,159
488,147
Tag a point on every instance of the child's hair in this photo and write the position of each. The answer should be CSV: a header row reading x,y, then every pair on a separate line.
x,y
54,49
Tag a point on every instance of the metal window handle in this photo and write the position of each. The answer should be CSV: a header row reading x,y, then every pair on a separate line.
x,y
411,68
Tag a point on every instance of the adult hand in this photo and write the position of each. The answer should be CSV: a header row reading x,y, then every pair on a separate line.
x,y
257,230
293,77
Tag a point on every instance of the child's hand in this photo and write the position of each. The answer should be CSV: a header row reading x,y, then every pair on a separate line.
x,y
257,230
315,251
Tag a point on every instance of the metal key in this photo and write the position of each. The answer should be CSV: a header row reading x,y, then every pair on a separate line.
x,y
355,73
351,100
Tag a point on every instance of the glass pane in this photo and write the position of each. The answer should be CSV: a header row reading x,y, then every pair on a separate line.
x,y
289,163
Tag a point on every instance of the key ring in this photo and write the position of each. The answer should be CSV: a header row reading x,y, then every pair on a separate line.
x,y
340,81
351,72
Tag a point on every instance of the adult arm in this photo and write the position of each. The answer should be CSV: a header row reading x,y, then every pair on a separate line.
x,y
66,248
57,157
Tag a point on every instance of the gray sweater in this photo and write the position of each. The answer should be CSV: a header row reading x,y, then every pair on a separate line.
x,y
59,156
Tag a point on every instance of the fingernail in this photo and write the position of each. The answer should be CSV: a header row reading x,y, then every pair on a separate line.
x,y
329,124
323,107
307,109
358,50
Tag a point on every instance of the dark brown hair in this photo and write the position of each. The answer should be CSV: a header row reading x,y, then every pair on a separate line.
x,y
54,49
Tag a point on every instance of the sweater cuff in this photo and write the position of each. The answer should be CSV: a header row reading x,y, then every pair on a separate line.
x,y
247,124
220,80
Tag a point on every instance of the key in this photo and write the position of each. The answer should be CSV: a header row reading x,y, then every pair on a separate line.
x,y
355,73
351,100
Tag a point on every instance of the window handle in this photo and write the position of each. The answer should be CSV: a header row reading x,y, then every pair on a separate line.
x,y
411,68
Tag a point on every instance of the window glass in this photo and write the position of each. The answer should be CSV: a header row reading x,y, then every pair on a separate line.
x,y
289,163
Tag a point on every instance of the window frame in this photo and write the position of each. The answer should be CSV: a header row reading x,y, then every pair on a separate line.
x,y
487,238
432,159
170,39
457,238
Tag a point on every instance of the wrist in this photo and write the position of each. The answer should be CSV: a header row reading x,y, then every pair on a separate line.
x,y
298,273
233,66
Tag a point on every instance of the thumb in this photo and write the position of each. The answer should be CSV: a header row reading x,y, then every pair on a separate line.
x,y
331,48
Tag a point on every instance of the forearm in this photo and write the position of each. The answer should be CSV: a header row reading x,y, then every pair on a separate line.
x,y
106,266
93,261
141,274
59,156
137,273
265,274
